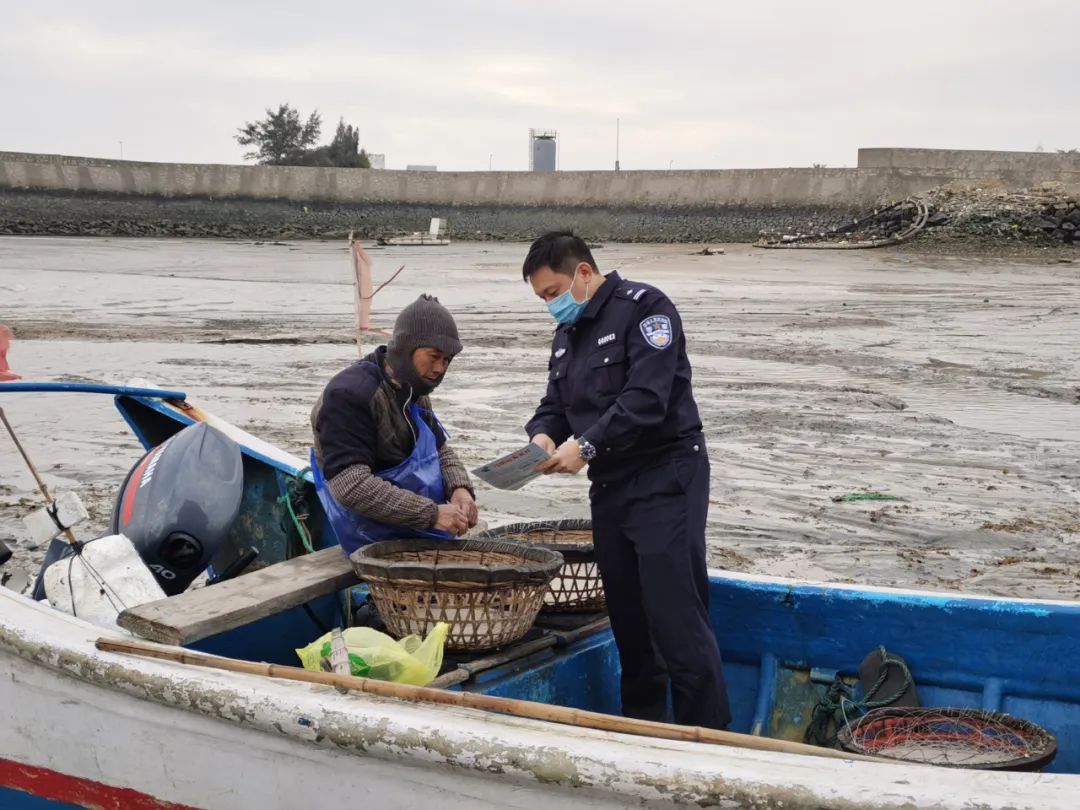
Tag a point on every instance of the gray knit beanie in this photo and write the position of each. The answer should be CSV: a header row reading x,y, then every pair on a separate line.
x,y
423,323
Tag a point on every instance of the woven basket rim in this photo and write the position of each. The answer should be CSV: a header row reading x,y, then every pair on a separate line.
x,y
375,562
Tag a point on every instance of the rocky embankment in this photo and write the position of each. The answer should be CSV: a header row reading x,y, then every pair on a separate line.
x,y
963,217
1047,214
35,213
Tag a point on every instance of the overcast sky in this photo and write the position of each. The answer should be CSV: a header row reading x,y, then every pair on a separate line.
x,y
695,84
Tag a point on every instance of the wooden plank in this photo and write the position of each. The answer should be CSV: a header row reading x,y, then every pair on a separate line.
x,y
197,614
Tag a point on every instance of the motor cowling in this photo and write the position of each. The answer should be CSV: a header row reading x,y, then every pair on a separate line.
x,y
179,503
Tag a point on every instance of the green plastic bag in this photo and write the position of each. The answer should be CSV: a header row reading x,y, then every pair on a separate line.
x,y
376,655
865,496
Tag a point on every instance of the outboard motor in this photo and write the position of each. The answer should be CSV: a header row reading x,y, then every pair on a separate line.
x,y
179,503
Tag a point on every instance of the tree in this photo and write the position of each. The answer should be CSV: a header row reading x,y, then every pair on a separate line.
x,y
343,151
280,138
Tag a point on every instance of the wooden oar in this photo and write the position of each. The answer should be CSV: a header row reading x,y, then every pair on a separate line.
x,y
516,708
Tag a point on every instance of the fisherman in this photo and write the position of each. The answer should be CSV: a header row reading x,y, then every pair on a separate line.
x,y
619,381
382,465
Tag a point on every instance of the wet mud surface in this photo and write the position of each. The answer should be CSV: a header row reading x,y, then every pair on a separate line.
x,y
950,383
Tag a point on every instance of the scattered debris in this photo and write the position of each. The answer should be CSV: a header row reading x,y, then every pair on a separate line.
x,y
883,226
708,251
865,496
1048,212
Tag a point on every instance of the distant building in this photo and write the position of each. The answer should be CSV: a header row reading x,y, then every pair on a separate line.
x,y
417,167
376,161
543,150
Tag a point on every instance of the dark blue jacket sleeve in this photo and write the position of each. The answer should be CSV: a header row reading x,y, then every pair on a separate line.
x,y
550,416
643,401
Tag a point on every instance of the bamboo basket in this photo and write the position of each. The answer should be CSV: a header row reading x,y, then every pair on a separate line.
x,y
576,587
488,591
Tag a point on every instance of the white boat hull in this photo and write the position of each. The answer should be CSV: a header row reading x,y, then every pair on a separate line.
x,y
212,739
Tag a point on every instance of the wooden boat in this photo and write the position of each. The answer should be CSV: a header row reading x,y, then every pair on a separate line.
x,y
88,728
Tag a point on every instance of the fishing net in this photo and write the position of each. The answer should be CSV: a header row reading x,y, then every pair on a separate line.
x,y
955,738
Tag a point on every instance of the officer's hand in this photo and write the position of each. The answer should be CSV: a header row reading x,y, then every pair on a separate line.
x,y
545,443
463,499
451,520
567,459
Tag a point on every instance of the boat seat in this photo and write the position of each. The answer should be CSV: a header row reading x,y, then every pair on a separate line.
x,y
197,614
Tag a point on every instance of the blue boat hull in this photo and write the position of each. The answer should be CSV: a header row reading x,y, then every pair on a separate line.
x,y
19,800
783,643
264,523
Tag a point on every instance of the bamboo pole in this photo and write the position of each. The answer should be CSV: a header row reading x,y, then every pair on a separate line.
x,y
471,700
362,291
33,470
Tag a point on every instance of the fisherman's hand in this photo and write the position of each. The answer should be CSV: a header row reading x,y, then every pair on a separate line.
x,y
567,459
464,500
451,520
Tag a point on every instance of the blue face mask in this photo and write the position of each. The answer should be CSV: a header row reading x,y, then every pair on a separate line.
x,y
565,308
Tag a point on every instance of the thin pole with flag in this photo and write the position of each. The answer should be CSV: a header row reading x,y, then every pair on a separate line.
x,y
6,374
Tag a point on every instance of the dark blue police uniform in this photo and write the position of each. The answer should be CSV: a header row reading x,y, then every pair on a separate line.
x,y
620,379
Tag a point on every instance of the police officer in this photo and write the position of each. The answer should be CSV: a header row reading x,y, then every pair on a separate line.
x,y
619,382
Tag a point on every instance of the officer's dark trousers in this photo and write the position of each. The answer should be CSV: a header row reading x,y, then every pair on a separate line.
x,y
649,535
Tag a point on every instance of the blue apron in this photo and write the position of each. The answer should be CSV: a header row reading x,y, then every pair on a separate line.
x,y
420,473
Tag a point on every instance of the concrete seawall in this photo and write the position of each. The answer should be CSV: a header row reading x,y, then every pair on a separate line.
x,y
1047,165
74,195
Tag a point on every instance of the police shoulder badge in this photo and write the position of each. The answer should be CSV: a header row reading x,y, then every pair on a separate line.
x,y
657,331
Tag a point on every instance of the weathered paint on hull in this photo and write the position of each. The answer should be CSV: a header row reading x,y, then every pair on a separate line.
x,y
211,739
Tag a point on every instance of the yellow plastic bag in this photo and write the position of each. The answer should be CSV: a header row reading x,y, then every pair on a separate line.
x,y
376,655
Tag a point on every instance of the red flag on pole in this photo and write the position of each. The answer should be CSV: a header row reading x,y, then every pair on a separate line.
x,y
5,370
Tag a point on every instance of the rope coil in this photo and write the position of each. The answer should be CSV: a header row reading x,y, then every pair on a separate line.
x,y
831,712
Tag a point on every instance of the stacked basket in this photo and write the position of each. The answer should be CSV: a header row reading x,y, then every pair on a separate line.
x,y
576,587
